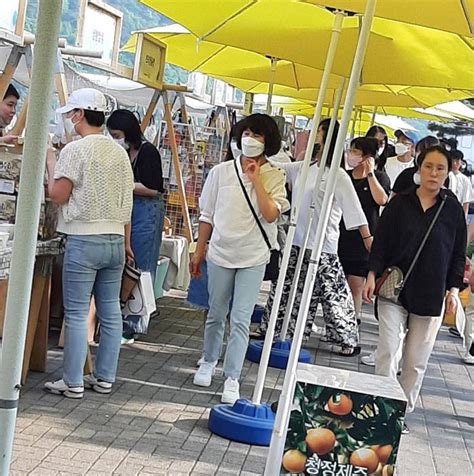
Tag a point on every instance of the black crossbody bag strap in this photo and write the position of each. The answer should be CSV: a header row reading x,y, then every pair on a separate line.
x,y
260,226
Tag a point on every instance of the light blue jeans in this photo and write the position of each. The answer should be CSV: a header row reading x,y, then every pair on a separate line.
x,y
147,227
93,265
242,286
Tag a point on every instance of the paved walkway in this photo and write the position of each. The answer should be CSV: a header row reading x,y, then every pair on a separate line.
x,y
155,421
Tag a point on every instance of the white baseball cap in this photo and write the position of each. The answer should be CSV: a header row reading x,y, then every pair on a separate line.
x,y
86,98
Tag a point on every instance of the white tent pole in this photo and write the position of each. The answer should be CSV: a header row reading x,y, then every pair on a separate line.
x,y
309,221
267,346
27,219
280,429
271,85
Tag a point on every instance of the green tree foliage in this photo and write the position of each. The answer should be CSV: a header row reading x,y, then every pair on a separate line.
x,y
135,17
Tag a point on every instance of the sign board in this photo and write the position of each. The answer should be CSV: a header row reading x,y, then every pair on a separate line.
x,y
150,59
12,20
99,28
343,423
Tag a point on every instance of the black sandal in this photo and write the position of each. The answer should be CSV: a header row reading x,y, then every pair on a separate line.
x,y
256,335
344,351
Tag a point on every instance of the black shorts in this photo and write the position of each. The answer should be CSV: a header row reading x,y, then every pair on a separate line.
x,y
355,268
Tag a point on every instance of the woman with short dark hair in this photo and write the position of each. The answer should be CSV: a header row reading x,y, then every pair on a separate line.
x,y
148,205
238,251
408,328
373,189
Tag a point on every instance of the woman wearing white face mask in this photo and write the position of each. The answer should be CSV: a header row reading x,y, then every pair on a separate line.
x,y
240,204
331,289
373,189
148,206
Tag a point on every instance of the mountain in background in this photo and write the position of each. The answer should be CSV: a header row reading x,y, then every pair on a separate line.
x,y
135,17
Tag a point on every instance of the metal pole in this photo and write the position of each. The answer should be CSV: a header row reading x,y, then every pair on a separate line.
x,y
27,219
372,122
279,431
267,346
309,221
271,84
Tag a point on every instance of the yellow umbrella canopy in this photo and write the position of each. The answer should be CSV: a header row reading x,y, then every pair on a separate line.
x,y
397,53
184,50
455,16
250,72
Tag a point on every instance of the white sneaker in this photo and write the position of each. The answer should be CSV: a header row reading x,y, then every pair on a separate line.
x,y
203,376
126,340
200,361
59,387
231,391
99,386
368,359
468,359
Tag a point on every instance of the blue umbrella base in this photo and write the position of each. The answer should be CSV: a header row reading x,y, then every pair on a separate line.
x,y
279,354
244,422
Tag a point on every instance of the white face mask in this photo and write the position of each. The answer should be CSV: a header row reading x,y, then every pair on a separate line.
x,y
401,149
417,178
69,126
354,160
121,142
235,150
380,151
252,147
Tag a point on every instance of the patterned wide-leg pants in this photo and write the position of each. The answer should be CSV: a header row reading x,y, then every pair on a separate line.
x,y
330,290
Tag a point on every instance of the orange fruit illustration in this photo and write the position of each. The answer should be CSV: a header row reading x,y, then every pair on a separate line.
x,y
340,405
320,440
294,461
366,458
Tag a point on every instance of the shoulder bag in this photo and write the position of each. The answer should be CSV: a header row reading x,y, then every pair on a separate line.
x,y
273,267
391,283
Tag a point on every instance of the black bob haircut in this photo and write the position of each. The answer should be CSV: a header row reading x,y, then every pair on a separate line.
x,y
263,125
367,145
435,148
125,121
12,91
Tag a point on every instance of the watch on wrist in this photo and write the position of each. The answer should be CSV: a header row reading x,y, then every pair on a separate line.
x,y
370,174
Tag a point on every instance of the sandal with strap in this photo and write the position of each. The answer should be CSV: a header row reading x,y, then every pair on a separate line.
x,y
349,351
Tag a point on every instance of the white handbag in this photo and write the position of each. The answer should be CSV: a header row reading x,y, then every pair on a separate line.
x,y
141,302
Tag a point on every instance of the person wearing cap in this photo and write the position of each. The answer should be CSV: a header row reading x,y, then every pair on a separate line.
x,y
404,148
7,113
459,184
92,181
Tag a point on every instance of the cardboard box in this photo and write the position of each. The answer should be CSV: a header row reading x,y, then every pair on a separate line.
x,y
343,423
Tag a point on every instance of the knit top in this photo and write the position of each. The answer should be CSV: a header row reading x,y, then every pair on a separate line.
x,y
102,194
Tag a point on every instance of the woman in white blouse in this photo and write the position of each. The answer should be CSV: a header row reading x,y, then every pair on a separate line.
x,y
238,252
331,289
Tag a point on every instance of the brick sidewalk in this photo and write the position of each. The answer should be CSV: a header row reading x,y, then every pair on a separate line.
x,y
155,421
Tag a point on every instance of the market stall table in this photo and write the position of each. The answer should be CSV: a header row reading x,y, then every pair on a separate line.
x,y
38,320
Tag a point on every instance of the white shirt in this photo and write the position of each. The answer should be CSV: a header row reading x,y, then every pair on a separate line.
x,y
102,193
394,167
346,205
460,185
236,240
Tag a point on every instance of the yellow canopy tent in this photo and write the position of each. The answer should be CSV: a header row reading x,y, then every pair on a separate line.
x,y
455,16
250,72
397,53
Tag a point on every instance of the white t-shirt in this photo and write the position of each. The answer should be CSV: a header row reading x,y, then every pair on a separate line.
x,y
236,240
394,167
346,205
102,193
460,185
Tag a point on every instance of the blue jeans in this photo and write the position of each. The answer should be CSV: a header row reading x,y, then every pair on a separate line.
x,y
147,227
242,286
93,265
